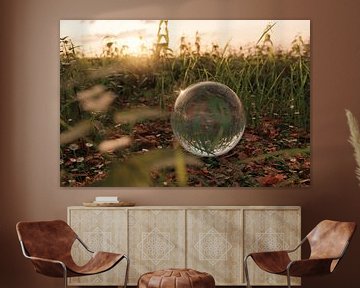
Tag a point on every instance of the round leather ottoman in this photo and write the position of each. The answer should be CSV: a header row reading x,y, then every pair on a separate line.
x,y
176,278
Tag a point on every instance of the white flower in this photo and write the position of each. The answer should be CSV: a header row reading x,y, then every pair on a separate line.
x,y
73,147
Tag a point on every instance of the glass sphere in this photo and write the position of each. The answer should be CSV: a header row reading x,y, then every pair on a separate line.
x,y
208,119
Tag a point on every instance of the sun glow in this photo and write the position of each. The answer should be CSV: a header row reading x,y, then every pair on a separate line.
x,y
134,45
138,37
124,46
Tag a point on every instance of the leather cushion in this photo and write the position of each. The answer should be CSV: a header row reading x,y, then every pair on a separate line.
x,y
176,278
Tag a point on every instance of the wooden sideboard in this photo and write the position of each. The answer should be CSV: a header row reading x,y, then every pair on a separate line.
x,y
212,239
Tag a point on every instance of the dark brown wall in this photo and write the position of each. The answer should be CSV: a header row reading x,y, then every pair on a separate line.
x,y
29,112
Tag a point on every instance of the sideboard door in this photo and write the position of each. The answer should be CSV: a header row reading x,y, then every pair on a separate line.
x,y
156,240
101,230
270,230
214,244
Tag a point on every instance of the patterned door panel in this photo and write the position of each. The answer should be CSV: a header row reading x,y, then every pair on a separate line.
x,y
100,230
157,240
214,244
270,230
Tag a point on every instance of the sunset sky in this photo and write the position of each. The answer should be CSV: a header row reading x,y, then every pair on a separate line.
x,y
92,35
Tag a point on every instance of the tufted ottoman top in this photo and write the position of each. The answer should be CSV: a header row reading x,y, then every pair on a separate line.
x,y
176,278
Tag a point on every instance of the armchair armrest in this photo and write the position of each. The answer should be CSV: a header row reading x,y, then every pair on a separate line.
x,y
309,267
314,266
46,260
49,267
280,252
271,261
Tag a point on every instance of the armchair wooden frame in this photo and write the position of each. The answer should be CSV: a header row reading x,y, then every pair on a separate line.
x,y
320,261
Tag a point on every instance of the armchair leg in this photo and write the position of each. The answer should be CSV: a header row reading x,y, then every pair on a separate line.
x,y
65,276
288,279
127,271
246,271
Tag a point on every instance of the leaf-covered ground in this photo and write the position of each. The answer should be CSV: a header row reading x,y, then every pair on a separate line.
x,y
275,154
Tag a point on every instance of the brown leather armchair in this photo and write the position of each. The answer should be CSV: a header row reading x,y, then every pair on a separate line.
x,y
328,242
48,245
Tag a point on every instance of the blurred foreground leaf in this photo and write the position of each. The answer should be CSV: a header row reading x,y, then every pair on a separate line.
x,y
181,173
95,99
139,114
81,129
114,144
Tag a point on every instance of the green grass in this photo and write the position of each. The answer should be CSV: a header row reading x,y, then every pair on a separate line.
x,y
270,84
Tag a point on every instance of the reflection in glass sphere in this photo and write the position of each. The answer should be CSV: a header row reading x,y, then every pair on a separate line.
x,y
208,119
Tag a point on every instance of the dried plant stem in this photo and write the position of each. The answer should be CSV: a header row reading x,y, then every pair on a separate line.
x,y
354,140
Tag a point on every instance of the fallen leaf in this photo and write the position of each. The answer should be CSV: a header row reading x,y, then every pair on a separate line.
x,y
270,180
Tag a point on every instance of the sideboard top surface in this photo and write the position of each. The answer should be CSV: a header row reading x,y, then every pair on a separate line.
x,y
193,207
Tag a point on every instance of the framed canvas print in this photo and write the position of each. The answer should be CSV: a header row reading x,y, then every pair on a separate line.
x,y
201,103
